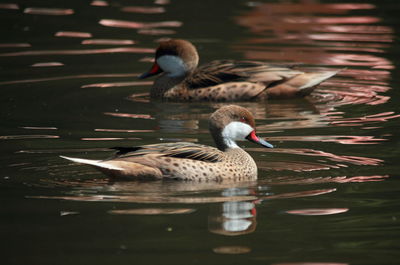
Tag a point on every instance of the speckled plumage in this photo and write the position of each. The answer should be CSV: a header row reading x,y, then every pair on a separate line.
x,y
189,161
226,80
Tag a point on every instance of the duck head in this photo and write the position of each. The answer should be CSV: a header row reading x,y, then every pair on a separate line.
x,y
176,58
234,123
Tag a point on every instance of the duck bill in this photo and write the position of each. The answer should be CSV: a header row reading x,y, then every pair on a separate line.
x,y
155,69
252,137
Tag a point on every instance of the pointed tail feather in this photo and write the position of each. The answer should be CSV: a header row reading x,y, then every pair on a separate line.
x,y
317,78
95,163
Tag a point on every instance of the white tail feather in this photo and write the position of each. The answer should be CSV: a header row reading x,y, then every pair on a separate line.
x,y
96,163
319,79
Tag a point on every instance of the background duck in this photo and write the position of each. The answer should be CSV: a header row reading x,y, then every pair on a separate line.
x,y
180,79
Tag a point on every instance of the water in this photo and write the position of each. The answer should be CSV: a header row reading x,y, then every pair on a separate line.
x,y
326,195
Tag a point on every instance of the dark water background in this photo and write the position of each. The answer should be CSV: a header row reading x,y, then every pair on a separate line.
x,y
328,194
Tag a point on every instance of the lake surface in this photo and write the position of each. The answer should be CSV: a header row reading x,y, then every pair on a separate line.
x,y
328,194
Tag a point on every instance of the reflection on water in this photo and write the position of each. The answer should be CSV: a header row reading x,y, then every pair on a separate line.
x,y
232,210
328,211
73,34
325,34
107,42
232,250
48,11
153,211
138,25
143,9
233,218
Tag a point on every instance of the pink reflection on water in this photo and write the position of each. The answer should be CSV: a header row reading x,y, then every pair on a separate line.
x,y
79,52
162,2
290,180
347,20
327,211
153,211
361,29
351,37
143,9
300,32
138,25
359,179
124,131
129,115
73,34
108,42
355,160
140,97
119,84
47,64
99,3
9,6
48,11
341,139
380,117
320,57
299,194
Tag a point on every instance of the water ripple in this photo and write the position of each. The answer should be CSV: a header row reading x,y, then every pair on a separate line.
x,y
73,34
153,211
143,9
9,6
79,52
138,25
313,212
107,42
129,115
354,160
48,11
99,3
33,136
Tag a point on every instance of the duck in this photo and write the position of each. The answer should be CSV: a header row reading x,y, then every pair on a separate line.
x,y
180,79
190,161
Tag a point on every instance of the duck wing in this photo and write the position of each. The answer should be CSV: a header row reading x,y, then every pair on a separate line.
x,y
230,80
178,150
224,71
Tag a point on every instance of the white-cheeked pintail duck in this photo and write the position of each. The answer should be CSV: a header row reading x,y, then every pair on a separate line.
x,y
180,79
190,161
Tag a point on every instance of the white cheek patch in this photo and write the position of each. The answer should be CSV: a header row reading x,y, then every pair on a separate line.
x,y
172,65
235,131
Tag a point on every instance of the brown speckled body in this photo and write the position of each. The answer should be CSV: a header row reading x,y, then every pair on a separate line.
x,y
226,80
234,164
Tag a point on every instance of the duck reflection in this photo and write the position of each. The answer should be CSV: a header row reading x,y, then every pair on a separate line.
x,y
233,218
175,117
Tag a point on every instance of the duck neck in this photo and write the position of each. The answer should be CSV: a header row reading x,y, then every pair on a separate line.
x,y
222,143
